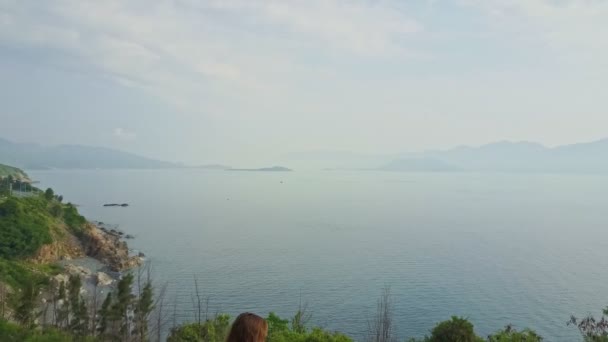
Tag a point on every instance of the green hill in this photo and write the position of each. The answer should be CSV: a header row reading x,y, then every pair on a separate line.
x,y
16,173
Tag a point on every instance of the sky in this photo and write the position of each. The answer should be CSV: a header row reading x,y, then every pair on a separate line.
x,y
246,82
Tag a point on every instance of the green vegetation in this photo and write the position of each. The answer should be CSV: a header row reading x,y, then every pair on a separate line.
x,y
279,330
10,332
24,226
509,334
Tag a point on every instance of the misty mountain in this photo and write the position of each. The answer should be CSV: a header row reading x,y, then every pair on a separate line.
x,y
509,157
34,156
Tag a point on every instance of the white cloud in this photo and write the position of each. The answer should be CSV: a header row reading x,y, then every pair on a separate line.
x,y
124,134
570,26
186,51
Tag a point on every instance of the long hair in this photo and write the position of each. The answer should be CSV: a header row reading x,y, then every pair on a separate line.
x,y
248,327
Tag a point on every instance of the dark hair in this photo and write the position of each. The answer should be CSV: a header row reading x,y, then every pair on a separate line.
x,y
248,327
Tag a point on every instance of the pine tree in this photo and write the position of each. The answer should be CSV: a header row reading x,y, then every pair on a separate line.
x,y
77,306
62,313
143,308
104,315
121,307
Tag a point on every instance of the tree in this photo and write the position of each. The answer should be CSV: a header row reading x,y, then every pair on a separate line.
x,y
25,305
380,328
457,329
104,315
49,194
143,308
79,321
592,330
62,312
120,327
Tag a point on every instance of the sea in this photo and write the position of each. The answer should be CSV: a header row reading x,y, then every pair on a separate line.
x,y
523,249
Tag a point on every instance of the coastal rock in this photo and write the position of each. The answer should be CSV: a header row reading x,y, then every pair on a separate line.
x,y
109,249
77,270
103,279
65,247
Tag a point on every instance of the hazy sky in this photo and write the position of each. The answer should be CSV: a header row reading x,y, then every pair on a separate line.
x,y
248,81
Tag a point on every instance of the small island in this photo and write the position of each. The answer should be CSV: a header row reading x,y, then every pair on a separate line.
x,y
266,169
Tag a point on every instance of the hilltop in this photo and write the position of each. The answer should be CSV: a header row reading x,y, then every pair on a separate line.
x,y
16,173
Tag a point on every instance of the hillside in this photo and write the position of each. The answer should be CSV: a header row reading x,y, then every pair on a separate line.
x,y
33,156
16,173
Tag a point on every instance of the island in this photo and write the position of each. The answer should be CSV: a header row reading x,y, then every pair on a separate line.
x,y
265,169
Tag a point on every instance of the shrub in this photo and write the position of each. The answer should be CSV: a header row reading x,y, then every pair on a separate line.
x,y
510,334
457,329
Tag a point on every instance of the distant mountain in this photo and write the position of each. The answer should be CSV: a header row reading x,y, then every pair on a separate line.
x,y
509,157
419,164
33,156
266,169
211,167
334,159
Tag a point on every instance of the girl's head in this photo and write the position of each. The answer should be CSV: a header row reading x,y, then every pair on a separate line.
x,y
248,327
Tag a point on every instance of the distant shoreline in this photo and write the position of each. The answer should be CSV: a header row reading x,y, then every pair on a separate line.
x,y
265,169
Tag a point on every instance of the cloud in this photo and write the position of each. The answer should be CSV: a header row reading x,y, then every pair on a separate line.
x,y
187,51
124,134
568,26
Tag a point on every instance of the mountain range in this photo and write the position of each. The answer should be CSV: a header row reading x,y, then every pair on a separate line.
x,y
509,157
34,156
505,156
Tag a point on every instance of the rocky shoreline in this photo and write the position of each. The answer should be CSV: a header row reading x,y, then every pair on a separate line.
x,y
98,242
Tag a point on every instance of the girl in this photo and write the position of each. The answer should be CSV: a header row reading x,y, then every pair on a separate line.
x,y
248,327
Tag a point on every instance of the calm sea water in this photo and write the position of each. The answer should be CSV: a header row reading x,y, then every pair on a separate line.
x,y
524,249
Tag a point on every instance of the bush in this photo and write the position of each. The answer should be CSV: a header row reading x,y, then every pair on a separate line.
x,y
213,330
509,334
457,329
73,219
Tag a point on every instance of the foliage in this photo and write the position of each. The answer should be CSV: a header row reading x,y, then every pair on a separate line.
x,y
143,308
77,307
592,330
49,194
17,274
212,330
10,332
315,335
457,329
24,227
510,334
276,324
73,219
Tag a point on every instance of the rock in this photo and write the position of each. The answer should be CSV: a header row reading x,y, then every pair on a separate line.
x,y
124,205
141,255
79,270
129,236
110,250
60,278
103,279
